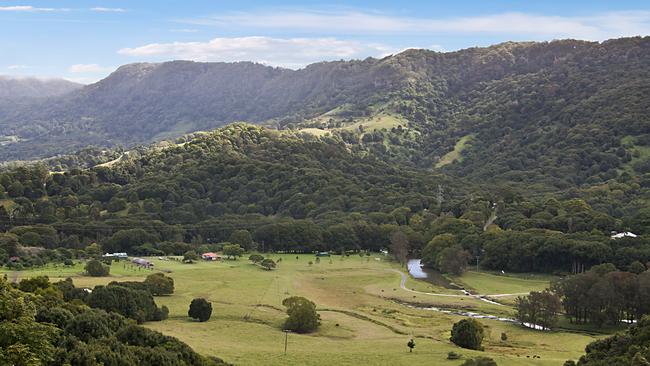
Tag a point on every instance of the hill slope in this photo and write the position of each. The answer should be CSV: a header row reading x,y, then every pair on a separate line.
x,y
559,114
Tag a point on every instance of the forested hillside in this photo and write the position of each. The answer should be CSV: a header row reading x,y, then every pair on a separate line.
x,y
291,191
554,115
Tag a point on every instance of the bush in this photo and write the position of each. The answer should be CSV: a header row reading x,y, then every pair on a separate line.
x,y
255,258
302,315
468,333
268,263
480,361
200,309
453,355
96,268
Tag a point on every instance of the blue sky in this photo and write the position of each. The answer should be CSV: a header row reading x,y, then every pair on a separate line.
x,y
86,40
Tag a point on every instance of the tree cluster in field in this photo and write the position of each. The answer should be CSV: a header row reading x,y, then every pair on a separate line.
x,y
605,295
133,300
42,324
538,310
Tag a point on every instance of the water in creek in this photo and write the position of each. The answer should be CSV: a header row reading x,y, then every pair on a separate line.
x,y
470,314
429,275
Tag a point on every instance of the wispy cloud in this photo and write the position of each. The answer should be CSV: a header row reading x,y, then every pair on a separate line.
x,y
184,30
18,67
593,27
108,10
285,52
29,8
89,68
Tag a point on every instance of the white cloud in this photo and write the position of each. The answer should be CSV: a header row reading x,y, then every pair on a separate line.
x,y
285,52
17,67
29,8
108,10
593,27
89,68
184,30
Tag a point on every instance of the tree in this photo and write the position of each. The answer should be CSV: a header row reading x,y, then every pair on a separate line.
x,y
95,268
233,250
302,315
268,264
453,260
411,345
241,237
468,333
200,309
399,246
159,284
190,256
636,267
431,252
256,258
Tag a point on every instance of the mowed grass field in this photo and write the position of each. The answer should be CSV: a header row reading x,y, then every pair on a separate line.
x,y
362,323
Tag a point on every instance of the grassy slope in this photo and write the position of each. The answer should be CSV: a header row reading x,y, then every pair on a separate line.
x,y
354,293
491,283
454,155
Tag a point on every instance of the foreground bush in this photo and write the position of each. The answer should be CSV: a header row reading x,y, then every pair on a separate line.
x,y
468,333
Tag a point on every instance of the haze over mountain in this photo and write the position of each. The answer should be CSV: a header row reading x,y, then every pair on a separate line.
x,y
17,88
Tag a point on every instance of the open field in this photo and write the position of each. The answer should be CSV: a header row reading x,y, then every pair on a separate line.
x,y
362,324
455,154
493,283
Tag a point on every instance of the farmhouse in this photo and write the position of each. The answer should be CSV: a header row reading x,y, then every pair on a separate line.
x,y
211,256
626,234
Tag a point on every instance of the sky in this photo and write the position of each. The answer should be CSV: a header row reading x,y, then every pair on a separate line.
x,y
84,41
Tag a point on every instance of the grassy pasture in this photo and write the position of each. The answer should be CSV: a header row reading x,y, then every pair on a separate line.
x,y
454,155
362,324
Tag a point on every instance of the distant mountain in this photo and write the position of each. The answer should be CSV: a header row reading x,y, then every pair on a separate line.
x,y
17,88
557,114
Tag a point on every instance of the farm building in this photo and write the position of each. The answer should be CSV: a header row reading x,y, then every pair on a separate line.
x,y
211,256
142,262
626,234
115,255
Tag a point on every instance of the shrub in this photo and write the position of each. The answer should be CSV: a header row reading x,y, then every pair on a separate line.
x,y
268,263
255,258
453,355
468,333
96,268
200,309
480,361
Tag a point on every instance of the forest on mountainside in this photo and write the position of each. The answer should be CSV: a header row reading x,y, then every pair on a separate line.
x,y
294,192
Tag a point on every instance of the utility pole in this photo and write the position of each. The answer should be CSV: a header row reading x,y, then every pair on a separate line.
x,y
286,338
